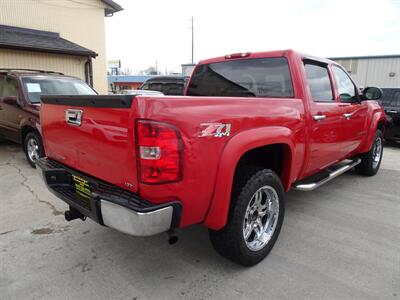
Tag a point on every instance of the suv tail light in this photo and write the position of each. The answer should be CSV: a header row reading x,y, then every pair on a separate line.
x,y
159,152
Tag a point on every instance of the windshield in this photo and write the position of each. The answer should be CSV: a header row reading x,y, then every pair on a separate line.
x,y
261,77
36,86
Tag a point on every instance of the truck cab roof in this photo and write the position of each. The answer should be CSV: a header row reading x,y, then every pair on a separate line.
x,y
265,54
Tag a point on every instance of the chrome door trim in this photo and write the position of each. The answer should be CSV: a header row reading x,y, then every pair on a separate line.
x,y
348,116
319,117
73,117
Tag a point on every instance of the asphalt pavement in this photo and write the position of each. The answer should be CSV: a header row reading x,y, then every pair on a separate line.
x,y
341,241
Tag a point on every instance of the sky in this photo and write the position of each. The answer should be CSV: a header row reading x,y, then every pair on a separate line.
x,y
149,31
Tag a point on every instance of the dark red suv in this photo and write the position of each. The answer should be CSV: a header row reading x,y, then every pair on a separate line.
x,y
20,92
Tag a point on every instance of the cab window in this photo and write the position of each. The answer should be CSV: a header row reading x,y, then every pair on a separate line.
x,y
346,88
319,82
257,77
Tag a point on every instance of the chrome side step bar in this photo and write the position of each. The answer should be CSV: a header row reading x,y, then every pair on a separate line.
x,y
310,186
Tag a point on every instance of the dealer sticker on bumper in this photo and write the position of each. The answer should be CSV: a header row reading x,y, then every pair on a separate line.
x,y
81,186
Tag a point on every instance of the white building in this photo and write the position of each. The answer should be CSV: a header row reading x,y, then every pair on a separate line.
x,y
187,69
380,71
65,36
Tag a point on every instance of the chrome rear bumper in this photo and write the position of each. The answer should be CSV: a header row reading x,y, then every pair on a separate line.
x,y
136,223
108,204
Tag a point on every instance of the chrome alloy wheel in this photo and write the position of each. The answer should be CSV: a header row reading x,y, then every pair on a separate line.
x,y
32,149
377,152
261,218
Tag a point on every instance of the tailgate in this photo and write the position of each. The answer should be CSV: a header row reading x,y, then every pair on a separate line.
x,y
93,134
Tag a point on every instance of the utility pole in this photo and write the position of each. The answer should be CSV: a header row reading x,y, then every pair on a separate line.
x,y
192,28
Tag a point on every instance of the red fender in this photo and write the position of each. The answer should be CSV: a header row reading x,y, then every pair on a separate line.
x,y
233,151
378,117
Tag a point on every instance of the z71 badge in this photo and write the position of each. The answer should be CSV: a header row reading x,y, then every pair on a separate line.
x,y
215,129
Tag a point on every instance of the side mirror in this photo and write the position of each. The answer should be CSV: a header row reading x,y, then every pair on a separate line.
x,y
372,93
10,100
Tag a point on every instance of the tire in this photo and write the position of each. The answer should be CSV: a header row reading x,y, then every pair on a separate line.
x,y
371,161
230,242
33,148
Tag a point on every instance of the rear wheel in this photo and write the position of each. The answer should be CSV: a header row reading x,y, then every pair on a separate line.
x,y
371,161
33,148
254,221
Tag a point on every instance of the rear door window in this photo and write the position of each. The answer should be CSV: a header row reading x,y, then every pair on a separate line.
x,y
10,87
319,82
262,77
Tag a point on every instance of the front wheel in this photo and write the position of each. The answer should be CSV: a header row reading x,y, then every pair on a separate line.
x,y
371,161
33,148
254,221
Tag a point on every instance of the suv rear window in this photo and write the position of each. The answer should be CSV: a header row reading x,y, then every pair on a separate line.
x,y
261,77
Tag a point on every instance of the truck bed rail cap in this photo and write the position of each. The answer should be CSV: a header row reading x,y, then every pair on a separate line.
x,y
112,101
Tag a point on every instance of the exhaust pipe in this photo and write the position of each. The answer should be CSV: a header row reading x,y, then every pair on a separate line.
x,y
172,237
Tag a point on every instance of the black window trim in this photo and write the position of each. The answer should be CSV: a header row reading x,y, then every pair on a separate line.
x,y
324,65
2,78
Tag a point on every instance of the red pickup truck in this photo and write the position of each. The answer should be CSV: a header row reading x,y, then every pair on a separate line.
x,y
251,127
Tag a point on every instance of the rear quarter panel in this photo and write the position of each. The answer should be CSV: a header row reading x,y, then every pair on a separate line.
x,y
209,162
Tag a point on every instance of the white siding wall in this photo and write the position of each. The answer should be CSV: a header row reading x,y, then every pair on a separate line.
x,y
187,70
81,22
375,71
67,64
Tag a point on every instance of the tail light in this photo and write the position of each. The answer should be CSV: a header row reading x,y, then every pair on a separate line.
x,y
159,152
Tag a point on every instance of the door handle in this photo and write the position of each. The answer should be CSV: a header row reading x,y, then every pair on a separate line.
x,y
73,117
347,116
319,117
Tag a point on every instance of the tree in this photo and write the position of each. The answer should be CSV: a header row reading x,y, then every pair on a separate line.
x,y
150,71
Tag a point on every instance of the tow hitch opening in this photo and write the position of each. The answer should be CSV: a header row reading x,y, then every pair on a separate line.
x,y
73,214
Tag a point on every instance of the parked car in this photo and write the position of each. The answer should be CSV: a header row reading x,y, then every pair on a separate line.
x,y
20,92
255,125
142,92
391,104
168,85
